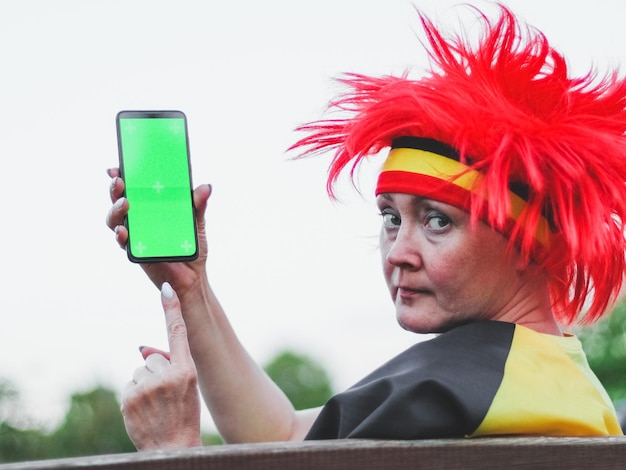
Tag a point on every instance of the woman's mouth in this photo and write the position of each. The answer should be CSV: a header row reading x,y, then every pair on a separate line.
x,y
410,293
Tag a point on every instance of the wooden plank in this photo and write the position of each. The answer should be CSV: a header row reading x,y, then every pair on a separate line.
x,y
451,454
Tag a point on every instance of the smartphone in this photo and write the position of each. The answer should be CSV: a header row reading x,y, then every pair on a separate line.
x,y
155,166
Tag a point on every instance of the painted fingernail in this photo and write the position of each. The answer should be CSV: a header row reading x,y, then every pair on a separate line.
x,y
167,291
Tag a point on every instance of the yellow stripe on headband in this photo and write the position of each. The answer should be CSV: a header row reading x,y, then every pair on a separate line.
x,y
431,164
427,163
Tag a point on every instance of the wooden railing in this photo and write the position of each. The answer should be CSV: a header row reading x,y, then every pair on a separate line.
x,y
450,454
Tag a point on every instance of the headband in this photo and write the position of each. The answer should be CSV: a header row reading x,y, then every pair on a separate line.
x,y
431,169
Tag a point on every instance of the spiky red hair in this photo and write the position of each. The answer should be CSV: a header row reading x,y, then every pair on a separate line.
x,y
508,106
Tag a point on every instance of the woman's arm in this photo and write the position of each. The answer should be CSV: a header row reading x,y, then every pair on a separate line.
x,y
244,402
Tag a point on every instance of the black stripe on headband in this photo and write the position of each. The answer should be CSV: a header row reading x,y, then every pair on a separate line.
x,y
427,144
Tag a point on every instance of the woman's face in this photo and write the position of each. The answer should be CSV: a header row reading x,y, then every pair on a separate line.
x,y
441,269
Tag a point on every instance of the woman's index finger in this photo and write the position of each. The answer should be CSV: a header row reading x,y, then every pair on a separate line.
x,y
176,328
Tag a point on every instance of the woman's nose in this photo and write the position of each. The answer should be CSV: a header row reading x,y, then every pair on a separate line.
x,y
404,251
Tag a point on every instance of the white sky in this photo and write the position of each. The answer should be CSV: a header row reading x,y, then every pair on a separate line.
x,y
292,269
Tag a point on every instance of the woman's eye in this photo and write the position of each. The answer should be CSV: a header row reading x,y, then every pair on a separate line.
x,y
390,220
437,222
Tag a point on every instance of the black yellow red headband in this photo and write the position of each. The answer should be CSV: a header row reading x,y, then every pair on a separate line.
x,y
431,169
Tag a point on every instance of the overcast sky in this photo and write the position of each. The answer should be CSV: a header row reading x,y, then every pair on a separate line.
x,y
292,269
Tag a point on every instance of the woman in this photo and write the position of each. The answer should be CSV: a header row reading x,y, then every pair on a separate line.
x,y
502,200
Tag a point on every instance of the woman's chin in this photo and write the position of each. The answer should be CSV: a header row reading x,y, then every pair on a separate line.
x,y
417,323
424,323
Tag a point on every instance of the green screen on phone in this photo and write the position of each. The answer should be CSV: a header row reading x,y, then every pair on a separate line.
x,y
154,160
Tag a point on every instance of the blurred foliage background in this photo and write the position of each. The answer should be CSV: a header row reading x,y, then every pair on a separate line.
x,y
93,423
605,345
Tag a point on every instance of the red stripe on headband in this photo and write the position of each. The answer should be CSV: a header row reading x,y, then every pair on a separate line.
x,y
444,191
423,185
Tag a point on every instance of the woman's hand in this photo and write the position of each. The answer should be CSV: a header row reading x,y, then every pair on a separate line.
x,y
182,276
161,405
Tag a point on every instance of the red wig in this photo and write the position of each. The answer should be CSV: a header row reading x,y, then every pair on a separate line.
x,y
508,108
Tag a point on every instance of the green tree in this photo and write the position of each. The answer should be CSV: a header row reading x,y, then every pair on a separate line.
x,y
16,442
605,345
305,382
93,425
22,444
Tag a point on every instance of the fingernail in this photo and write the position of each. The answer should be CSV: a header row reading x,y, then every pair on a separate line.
x,y
167,291
113,181
119,203
141,348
